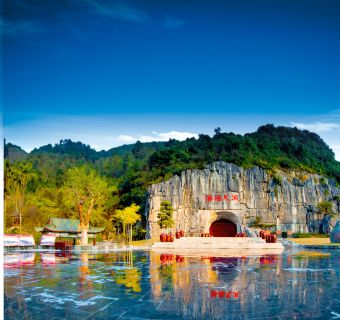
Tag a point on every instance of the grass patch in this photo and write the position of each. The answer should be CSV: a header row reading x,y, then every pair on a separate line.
x,y
311,241
309,235
314,241
311,254
146,243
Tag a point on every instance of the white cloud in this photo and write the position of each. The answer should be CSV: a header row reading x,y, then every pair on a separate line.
x,y
126,138
317,126
157,136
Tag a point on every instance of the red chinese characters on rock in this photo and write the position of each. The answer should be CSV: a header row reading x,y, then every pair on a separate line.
x,y
221,198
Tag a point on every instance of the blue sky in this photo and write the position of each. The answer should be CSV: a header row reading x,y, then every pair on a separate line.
x,y
111,72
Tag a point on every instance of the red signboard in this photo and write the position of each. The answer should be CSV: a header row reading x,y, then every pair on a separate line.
x,y
221,197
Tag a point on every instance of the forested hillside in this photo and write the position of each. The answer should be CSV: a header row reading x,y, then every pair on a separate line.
x,y
130,169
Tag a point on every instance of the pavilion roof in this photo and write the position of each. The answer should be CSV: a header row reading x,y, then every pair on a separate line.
x,y
66,226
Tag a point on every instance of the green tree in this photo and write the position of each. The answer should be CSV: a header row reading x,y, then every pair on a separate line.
x,y
164,216
86,191
128,217
325,207
17,178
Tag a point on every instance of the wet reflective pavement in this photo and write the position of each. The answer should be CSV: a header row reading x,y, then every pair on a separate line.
x,y
146,285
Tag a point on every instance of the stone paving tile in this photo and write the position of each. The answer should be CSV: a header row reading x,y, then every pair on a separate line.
x,y
266,318
48,312
295,289
107,314
325,316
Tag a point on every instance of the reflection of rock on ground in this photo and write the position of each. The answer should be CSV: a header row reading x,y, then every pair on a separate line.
x,y
335,234
193,278
225,265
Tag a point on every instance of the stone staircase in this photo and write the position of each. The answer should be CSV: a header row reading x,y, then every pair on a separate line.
x,y
217,243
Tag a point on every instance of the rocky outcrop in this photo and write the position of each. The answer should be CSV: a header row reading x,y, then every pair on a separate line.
x,y
335,234
327,223
226,191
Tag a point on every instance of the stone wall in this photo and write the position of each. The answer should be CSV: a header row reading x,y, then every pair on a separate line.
x,y
224,190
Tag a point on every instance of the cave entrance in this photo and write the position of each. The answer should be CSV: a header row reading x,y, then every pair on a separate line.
x,y
223,228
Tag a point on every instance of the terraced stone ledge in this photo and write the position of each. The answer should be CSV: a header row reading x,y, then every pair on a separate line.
x,y
220,243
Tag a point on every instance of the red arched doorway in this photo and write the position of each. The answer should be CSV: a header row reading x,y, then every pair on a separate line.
x,y
223,228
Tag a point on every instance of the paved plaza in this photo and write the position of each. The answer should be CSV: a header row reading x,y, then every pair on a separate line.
x,y
148,285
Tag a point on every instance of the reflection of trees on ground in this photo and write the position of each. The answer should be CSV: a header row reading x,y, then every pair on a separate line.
x,y
85,282
130,279
129,276
166,277
124,272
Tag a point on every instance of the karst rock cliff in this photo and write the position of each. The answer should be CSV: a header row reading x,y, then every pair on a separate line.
x,y
226,191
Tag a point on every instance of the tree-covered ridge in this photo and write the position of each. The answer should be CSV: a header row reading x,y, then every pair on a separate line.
x,y
13,152
269,148
72,149
130,169
81,151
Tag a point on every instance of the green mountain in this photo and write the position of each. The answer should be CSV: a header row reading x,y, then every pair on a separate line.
x,y
132,168
269,147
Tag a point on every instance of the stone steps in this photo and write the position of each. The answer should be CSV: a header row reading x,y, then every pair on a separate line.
x,y
217,243
213,240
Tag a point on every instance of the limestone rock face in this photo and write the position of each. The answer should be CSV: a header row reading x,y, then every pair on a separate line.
x,y
226,191
327,224
335,234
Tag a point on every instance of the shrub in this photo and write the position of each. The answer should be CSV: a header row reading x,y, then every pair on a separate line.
x,y
277,180
309,235
257,223
276,191
322,181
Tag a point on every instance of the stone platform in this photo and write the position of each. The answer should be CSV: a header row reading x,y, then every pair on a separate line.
x,y
218,243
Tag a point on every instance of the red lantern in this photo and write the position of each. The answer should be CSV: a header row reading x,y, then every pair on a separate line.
x,y
172,238
221,294
178,234
162,237
182,233
274,239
